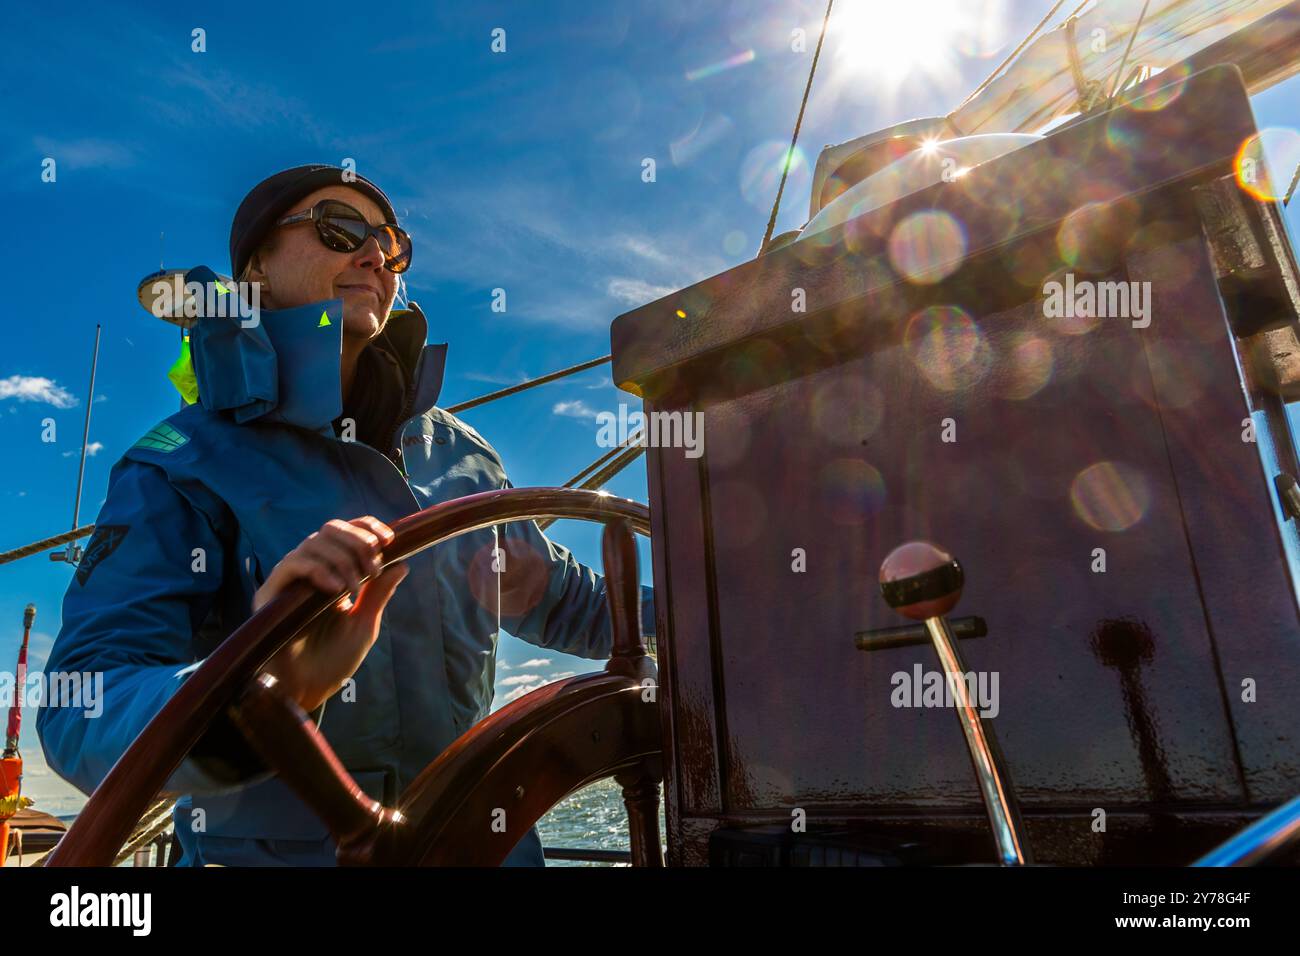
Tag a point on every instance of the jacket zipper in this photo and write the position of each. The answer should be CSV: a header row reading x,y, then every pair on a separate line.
x,y
408,406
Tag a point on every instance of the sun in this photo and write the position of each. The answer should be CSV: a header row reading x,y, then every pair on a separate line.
x,y
890,42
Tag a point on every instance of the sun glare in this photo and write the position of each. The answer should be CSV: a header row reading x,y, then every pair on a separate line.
x,y
888,42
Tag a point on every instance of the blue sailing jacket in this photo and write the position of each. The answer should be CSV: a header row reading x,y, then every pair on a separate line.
x,y
201,509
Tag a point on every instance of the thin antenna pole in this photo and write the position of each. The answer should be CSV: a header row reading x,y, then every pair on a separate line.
x,y
182,347
85,432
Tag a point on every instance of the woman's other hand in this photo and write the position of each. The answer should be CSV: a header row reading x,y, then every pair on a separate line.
x,y
341,553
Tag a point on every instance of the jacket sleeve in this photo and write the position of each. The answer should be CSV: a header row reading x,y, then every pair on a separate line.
x,y
130,616
547,597
571,613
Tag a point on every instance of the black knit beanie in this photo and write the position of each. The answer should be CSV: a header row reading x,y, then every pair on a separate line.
x,y
270,199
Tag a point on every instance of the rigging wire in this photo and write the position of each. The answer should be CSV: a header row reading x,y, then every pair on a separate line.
x,y
46,543
628,454
531,383
632,439
152,824
789,157
1119,74
1016,52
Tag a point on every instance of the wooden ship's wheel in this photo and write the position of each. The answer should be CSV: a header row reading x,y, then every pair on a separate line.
x,y
472,804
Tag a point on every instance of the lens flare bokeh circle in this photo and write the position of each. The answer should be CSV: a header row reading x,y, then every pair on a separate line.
x,y
847,411
1266,162
1110,496
927,246
852,490
947,347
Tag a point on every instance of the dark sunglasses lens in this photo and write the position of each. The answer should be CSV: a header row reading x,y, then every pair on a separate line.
x,y
341,227
396,246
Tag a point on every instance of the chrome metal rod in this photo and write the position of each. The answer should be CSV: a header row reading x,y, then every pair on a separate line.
x,y
990,768
1261,839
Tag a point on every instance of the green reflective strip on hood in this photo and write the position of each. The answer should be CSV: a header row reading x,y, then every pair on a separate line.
x,y
181,374
162,437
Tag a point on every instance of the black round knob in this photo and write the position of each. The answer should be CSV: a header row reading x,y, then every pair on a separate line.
x,y
920,580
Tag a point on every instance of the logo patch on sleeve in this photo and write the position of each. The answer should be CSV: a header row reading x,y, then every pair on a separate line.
x,y
162,437
102,543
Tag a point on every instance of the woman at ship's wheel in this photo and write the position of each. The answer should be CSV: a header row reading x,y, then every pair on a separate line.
x,y
310,426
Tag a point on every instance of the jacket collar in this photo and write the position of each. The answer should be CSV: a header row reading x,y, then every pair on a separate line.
x,y
404,338
286,368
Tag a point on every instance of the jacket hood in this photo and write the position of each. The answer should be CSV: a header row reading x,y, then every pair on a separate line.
x,y
287,368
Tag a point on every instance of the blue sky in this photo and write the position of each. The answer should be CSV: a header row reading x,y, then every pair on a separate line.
x,y
519,170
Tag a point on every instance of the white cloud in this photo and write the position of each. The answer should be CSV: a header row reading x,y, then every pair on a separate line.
x,y
518,692
537,662
518,679
575,409
494,379
645,249
562,265
231,99
86,153
635,291
91,450
518,378
33,388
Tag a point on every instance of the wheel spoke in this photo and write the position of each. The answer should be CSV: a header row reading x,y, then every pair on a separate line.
x,y
285,737
623,590
641,797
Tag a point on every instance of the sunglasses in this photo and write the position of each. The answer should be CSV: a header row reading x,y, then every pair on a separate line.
x,y
343,229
